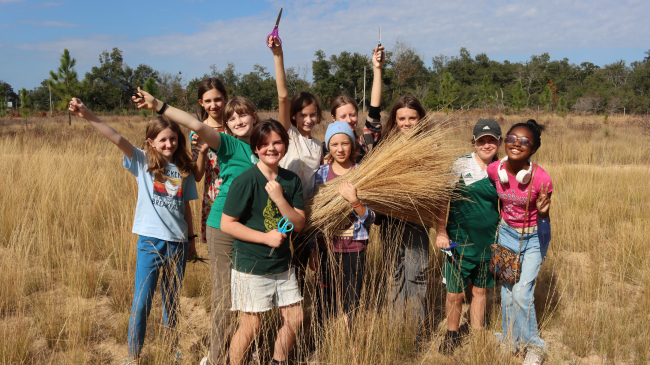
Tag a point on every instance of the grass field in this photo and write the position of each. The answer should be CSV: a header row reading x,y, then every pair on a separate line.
x,y
67,254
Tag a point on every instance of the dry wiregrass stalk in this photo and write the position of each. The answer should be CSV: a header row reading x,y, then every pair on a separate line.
x,y
406,177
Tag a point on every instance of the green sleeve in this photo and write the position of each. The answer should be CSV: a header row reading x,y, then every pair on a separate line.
x,y
226,146
239,197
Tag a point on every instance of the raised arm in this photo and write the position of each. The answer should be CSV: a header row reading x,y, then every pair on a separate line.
x,y
79,109
209,135
281,83
377,65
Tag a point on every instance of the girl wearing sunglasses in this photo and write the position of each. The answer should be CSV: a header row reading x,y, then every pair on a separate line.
x,y
513,176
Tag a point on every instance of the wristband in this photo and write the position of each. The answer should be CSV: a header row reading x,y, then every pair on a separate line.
x,y
358,205
162,110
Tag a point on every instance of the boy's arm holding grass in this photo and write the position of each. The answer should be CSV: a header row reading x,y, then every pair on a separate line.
x,y
281,82
207,134
80,110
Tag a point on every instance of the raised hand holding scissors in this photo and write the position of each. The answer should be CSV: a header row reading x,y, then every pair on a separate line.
x,y
284,227
274,33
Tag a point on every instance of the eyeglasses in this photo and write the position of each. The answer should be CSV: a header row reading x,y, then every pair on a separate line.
x,y
524,141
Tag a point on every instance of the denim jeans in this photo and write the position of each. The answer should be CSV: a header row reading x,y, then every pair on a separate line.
x,y
517,301
156,259
409,286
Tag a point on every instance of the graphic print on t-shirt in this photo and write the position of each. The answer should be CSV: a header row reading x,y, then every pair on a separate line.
x,y
271,215
168,192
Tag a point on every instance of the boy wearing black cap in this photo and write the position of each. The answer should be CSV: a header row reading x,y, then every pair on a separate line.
x,y
472,224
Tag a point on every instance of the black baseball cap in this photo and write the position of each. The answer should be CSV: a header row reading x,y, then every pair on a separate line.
x,y
486,127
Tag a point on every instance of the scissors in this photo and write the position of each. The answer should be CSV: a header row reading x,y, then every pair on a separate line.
x,y
284,226
274,33
199,259
453,244
132,91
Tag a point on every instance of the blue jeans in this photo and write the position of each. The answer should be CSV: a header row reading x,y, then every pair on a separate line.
x,y
156,258
517,301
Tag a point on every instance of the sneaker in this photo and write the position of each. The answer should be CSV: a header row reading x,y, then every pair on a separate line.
x,y
204,361
130,361
533,358
448,345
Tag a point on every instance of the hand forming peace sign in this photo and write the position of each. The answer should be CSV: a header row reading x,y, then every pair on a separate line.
x,y
543,201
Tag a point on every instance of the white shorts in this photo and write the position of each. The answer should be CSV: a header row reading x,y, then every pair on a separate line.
x,y
260,293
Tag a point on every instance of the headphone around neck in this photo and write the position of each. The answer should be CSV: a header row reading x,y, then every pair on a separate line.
x,y
523,176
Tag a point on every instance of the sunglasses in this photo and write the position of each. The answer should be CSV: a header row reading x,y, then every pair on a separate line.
x,y
523,141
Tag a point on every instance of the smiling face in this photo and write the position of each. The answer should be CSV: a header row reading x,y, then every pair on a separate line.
x,y
347,113
306,119
213,102
486,147
516,150
271,150
242,124
165,143
406,119
340,147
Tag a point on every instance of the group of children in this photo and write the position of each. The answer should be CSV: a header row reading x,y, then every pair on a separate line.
x,y
258,175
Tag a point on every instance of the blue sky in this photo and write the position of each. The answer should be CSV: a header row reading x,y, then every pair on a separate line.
x,y
189,36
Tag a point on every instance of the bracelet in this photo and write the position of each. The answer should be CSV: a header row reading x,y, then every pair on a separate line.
x,y
358,205
162,110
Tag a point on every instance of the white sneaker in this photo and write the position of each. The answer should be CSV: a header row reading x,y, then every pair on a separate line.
x,y
130,361
204,361
533,358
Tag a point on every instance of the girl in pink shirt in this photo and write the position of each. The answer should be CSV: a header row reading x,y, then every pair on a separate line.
x,y
512,177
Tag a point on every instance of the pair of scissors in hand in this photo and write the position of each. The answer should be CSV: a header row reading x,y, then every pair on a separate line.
x,y
453,244
274,33
284,226
130,90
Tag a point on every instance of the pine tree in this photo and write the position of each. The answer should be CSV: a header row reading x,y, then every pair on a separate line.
x,y
518,97
561,106
448,90
486,92
64,82
545,98
25,103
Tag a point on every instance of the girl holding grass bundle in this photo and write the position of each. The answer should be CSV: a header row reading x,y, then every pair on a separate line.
x,y
525,192
340,261
409,283
346,109
472,222
234,156
163,218
262,277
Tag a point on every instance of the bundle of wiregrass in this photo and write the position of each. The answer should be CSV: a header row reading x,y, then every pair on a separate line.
x,y
406,177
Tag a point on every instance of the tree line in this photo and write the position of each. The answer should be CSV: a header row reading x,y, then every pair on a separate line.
x,y
460,81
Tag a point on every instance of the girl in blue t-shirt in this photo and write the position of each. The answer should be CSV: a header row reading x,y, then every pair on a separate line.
x,y
163,218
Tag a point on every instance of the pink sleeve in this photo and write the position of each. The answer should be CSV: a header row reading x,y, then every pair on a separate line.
x,y
492,170
542,177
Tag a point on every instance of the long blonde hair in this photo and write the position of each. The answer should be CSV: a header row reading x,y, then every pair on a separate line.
x,y
182,158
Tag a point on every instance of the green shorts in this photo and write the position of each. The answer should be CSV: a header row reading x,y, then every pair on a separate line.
x,y
476,271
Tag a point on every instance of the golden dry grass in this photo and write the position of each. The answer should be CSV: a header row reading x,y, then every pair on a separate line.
x,y
67,255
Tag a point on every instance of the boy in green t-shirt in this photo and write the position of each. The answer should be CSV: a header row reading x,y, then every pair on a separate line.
x,y
261,277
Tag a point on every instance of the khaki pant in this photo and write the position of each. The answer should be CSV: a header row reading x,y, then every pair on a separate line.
x,y
220,250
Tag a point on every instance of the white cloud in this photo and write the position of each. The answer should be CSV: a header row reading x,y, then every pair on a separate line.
x,y
433,27
50,23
